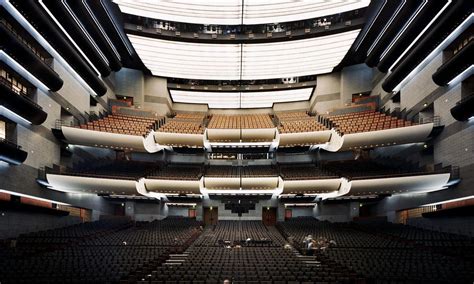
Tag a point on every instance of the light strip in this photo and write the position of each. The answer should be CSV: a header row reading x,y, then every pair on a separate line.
x,y
418,10
399,8
85,32
101,29
461,76
181,204
44,43
421,33
370,26
300,204
464,25
125,42
67,35
33,197
13,116
449,200
22,71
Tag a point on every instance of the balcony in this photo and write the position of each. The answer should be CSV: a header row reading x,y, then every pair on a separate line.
x,y
20,103
11,153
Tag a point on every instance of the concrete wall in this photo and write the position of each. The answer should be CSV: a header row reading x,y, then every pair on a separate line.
x,y
252,215
178,211
336,212
14,223
140,211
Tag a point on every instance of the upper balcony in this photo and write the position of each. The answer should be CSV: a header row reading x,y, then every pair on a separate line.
x,y
16,95
215,33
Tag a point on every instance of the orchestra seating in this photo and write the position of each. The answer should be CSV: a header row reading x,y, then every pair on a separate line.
x,y
299,121
222,252
251,121
304,171
366,121
177,172
104,255
106,168
239,232
188,123
377,256
122,124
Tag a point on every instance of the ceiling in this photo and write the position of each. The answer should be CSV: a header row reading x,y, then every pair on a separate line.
x,y
237,12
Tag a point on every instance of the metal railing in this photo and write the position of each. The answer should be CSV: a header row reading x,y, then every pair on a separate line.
x,y
436,120
24,96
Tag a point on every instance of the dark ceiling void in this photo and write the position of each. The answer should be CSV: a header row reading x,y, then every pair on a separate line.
x,y
448,22
464,109
94,29
80,38
21,105
426,13
379,12
22,54
11,153
393,26
111,20
38,18
457,64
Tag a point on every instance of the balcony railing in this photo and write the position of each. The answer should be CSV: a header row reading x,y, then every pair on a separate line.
x,y
7,142
24,96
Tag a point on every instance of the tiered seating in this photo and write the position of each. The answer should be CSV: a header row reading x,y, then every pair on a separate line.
x,y
212,259
122,124
105,168
364,169
177,172
304,171
251,121
366,121
222,171
259,171
103,258
189,123
294,122
446,243
379,257
239,232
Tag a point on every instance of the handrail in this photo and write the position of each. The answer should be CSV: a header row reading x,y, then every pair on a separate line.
x,y
21,94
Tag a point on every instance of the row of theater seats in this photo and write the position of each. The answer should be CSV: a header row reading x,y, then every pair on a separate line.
x,y
111,253
130,169
172,172
304,171
215,257
187,123
379,256
300,121
123,124
106,168
251,121
366,121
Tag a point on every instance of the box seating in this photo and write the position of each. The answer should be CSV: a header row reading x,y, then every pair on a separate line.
x,y
122,124
187,123
300,121
366,121
251,121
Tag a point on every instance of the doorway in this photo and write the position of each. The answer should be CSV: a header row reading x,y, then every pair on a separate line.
x,y
269,216
211,215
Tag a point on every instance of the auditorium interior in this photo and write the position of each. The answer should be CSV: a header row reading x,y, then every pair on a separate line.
x,y
236,141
